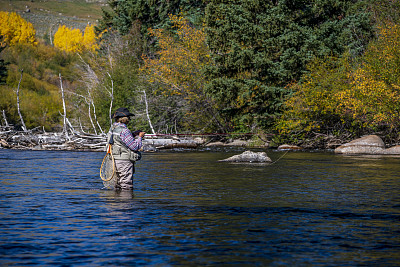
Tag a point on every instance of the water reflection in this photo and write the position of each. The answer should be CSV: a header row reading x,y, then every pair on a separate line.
x,y
189,209
118,195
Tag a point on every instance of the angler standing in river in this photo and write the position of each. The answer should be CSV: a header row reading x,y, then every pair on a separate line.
x,y
125,148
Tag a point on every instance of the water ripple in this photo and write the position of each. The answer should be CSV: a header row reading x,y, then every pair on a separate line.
x,y
189,209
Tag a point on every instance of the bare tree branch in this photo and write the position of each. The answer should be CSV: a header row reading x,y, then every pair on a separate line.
x,y
18,106
89,103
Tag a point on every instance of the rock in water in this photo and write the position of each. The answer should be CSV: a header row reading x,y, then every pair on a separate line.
x,y
249,156
395,150
371,144
289,147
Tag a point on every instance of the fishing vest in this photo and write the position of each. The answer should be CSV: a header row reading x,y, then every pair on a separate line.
x,y
121,151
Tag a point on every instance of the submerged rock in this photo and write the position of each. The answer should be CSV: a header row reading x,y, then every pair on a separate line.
x,y
289,147
371,144
215,144
249,156
237,143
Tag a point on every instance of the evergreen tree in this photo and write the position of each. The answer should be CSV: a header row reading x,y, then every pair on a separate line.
x,y
3,68
149,13
262,46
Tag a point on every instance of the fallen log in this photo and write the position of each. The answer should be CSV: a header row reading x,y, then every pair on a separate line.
x,y
4,144
55,147
168,143
41,140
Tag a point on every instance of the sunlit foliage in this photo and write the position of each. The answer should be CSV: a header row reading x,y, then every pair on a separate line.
x,y
73,40
39,89
375,93
313,104
177,66
338,95
14,29
179,61
90,39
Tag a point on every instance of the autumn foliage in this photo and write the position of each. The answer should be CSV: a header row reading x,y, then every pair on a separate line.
x,y
177,68
178,62
73,40
375,86
342,95
15,30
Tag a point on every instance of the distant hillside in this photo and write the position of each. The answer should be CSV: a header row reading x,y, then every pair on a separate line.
x,y
47,15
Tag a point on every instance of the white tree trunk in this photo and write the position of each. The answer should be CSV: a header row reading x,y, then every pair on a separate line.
x,y
112,98
71,127
5,118
18,107
147,112
51,35
64,108
80,124
91,120
95,117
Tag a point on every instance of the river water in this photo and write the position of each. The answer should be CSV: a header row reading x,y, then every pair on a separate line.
x,y
188,209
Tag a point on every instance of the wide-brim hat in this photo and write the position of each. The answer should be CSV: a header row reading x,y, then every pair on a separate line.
x,y
122,112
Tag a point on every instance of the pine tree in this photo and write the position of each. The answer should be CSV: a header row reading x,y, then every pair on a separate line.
x,y
3,69
261,46
149,13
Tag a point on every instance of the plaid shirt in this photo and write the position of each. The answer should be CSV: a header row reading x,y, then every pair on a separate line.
x,y
127,137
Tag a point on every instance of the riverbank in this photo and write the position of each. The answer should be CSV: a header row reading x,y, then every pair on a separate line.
x,y
37,139
77,141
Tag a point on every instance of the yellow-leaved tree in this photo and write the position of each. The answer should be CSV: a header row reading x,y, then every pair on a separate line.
x,y
73,40
338,96
177,71
374,97
14,29
90,39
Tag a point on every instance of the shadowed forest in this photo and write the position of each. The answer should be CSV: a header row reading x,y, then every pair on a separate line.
x,y
309,73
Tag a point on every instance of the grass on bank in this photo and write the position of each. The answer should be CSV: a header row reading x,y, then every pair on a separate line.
x,y
73,8
47,15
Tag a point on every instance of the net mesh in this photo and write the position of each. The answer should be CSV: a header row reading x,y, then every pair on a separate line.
x,y
107,172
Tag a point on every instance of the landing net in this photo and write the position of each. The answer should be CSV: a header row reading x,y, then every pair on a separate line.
x,y
107,170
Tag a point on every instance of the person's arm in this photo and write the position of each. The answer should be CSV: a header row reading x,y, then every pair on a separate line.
x,y
130,141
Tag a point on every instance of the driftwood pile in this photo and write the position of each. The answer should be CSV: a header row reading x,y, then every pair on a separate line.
x,y
40,140
51,141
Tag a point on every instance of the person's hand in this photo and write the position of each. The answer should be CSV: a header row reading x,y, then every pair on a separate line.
x,y
141,134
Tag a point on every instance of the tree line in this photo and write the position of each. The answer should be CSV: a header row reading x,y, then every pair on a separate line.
x,y
294,68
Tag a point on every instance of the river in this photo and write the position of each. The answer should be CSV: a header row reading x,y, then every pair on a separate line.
x,y
188,209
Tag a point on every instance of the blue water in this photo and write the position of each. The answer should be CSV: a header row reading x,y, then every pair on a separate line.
x,y
188,209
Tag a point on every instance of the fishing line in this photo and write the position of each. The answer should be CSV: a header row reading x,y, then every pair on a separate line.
x,y
279,157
